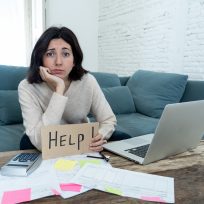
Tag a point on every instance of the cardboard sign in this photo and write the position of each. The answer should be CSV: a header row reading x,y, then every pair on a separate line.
x,y
63,140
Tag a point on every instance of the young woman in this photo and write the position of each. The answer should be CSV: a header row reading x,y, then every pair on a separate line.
x,y
58,90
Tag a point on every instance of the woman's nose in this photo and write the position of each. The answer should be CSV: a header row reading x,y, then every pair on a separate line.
x,y
58,60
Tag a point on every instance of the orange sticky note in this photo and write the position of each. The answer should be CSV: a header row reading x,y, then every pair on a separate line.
x,y
156,199
17,196
70,187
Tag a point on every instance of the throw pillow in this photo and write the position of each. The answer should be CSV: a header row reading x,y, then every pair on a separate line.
x,y
120,99
152,91
10,111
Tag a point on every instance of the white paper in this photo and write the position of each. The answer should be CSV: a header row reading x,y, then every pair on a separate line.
x,y
47,178
66,176
41,182
127,183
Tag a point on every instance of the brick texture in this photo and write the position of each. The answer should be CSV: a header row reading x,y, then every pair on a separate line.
x,y
158,35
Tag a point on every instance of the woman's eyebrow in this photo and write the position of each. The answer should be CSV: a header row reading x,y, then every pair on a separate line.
x,y
50,49
66,48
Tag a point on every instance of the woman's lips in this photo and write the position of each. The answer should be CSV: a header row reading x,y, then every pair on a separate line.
x,y
57,71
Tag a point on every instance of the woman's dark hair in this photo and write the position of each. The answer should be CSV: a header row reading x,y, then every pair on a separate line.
x,y
41,47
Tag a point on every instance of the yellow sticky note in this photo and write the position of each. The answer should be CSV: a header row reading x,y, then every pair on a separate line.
x,y
64,165
113,190
90,161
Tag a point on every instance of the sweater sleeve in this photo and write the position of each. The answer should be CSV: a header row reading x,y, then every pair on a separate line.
x,y
33,115
102,111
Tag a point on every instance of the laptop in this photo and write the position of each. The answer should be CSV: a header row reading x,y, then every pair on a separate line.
x,y
179,129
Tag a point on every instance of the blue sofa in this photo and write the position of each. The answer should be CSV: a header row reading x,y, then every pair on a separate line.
x,y
137,101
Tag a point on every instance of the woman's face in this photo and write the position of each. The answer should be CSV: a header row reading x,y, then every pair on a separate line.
x,y
59,58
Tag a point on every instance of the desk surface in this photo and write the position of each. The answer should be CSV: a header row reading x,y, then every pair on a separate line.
x,y
186,168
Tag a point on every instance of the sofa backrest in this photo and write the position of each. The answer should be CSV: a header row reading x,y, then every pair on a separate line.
x,y
124,80
117,94
10,76
106,80
194,90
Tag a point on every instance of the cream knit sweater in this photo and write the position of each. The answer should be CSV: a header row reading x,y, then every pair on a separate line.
x,y
41,106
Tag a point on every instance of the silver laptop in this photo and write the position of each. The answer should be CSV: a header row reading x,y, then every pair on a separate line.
x,y
180,128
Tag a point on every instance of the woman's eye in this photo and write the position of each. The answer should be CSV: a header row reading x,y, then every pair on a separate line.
x,y
65,54
49,54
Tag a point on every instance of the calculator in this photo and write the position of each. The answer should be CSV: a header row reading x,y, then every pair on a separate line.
x,y
22,164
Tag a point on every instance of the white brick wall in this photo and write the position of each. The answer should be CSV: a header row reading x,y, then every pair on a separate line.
x,y
160,35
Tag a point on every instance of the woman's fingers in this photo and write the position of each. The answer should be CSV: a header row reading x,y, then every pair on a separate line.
x,y
44,73
54,82
97,138
96,149
97,143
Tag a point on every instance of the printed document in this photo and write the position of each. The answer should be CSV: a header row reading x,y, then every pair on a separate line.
x,y
127,183
52,177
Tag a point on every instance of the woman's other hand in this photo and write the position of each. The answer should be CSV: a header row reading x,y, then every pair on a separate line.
x,y
55,83
97,143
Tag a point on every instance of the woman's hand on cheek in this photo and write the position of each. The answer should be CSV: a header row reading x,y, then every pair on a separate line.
x,y
97,143
55,83
44,73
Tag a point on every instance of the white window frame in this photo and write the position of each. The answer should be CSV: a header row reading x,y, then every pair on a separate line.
x,y
22,22
34,23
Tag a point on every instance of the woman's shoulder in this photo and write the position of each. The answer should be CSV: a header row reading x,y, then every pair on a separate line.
x,y
23,83
89,78
26,85
89,82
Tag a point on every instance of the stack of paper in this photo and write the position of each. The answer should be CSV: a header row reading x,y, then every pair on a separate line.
x,y
52,177
72,175
127,183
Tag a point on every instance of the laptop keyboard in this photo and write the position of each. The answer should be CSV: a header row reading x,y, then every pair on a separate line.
x,y
139,151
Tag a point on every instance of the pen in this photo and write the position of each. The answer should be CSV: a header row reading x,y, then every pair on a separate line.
x,y
90,156
102,157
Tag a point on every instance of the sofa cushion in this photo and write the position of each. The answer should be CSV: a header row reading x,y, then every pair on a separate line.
x,y
106,79
152,91
136,124
11,76
120,99
10,111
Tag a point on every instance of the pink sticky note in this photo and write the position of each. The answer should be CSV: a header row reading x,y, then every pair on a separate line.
x,y
17,196
156,199
70,187
55,192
